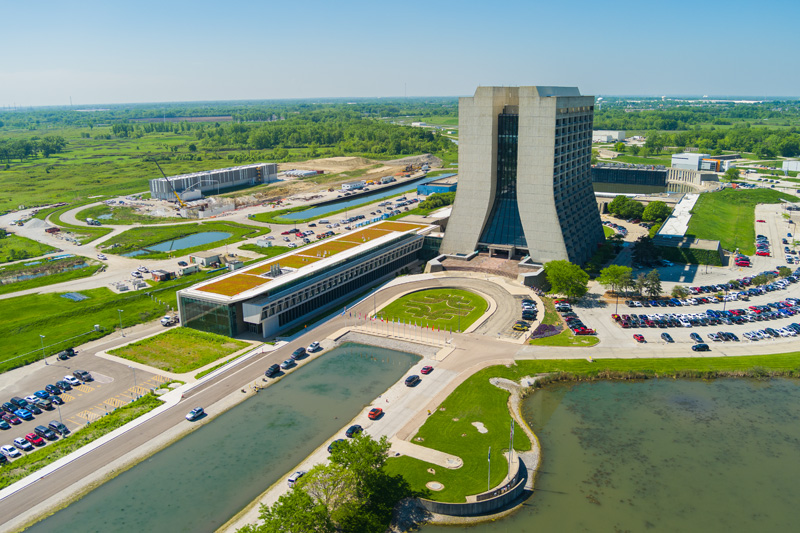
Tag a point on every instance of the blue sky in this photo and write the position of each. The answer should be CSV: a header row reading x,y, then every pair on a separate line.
x,y
145,51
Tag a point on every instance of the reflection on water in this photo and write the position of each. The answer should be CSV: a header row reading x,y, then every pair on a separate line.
x,y
202,480
664,455
195,239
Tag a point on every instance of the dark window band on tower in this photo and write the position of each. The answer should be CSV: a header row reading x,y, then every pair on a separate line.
x,y
504,225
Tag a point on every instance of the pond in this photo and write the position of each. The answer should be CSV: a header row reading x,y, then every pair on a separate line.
x,y
190,241
201,481
665,455
322,210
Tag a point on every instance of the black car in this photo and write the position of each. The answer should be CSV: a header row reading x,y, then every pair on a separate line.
x,y
333,444
63,385
695,337
353,430
56,400
9,407
667,337
183,263
59,428
52,389
34,409
701,347
412,380
298,353
273,370
45,432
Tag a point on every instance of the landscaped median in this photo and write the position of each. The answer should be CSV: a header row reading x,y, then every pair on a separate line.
x,y
180,350
448,309
453,427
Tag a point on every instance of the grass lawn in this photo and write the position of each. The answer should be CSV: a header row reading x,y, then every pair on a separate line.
x,y
42,457
55,272
567,338
608,232
140,238
270,251
122,215
66,323
14,247
476,400
637,160
450,309
729,216
179,349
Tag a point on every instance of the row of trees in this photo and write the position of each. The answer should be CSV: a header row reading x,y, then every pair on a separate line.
x,y
351,493
23,149
436,200
620,278
624,207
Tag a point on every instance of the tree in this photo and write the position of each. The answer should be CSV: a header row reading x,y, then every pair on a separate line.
x,y
294,511
635,149
657,210
680,292
732,174
616,205
784,272
566,278
615,277
619,147
644,251
653,283
640,283
759,279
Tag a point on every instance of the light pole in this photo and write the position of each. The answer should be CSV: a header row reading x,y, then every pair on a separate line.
x,y
43,358
120,322
135,392
59,414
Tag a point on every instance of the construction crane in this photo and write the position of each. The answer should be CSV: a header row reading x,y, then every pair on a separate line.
x,y
170,184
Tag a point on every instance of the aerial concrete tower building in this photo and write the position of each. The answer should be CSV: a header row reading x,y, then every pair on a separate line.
x,y
524,181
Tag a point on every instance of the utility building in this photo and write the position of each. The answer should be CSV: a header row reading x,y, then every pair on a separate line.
x,y
524,182
192,186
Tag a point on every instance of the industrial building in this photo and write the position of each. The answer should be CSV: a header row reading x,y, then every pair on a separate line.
x,y
608,136
282,291
524,175
193,186
438,187
792,165
654,175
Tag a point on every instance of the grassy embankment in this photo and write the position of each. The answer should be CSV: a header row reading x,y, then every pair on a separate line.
x,y
140,238
14,248
449,428
729,216
179,350
65,323
566,337
17,269
447,309
38,459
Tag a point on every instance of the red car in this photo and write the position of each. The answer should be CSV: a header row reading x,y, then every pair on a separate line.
x,y
639,338
426,370
34,439
375,413
585,331
11,419
616,317
762,253
760,220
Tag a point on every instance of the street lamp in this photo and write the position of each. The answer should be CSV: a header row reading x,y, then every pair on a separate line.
x,y
120,322
43,358
60,419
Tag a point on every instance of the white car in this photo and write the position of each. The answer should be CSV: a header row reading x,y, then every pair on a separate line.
x,y
294,477
101,257
72,380
143,269
136,274
23,444
194,414
31,398
314,346
10,451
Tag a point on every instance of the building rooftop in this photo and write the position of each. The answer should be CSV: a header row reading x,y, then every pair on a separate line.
x,y
257,279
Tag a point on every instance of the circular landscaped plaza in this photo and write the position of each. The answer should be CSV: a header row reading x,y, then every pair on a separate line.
x,y
448,309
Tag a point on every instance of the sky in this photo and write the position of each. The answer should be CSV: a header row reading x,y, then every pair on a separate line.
x,y
177,51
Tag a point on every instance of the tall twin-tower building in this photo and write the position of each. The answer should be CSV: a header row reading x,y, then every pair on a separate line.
x,y
524,183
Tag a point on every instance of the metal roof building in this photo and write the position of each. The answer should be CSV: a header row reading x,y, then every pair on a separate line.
x,y
193,186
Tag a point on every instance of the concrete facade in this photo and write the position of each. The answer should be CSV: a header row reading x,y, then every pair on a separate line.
x,y
557,214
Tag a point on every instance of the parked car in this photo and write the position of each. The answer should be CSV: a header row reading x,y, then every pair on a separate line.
x,y
45,432
298,353
273,370
701,347
333,444
638,338
183,263
314,346
289,363
412,380
34,439
353,430
24,414
52,389
59,428
427,369
375,413
695,337
72,380
23,444
667,337
82,375
10,451
294,477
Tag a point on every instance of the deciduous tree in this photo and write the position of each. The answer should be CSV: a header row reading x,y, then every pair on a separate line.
x,y
566,278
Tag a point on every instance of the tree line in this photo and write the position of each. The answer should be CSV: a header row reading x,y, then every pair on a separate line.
x,y
23,149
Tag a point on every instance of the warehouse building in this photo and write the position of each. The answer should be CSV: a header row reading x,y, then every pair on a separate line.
x,y
438,187
282,292
194,186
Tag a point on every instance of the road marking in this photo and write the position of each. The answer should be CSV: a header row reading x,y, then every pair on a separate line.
x,y
159,379
84,388
114,402
89,416
67,397
138,390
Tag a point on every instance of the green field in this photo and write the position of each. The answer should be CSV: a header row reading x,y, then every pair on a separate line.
x,y
729,216
122,215
140,238
42,457
51,270
608,232
566,338
267,252
448,309
449,428
636,160
14,247
179,350
66,323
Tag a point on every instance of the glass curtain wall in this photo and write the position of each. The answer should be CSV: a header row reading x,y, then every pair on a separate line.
x,y
504,225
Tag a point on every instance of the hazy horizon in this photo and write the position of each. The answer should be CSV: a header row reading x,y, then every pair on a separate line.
x,y
99,53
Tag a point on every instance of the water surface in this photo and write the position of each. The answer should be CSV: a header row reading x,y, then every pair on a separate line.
x,y
663,455
202,480
195,239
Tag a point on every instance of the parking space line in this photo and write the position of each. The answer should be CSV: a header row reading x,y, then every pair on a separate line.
x,y
114,402
88,416
159,379
139,390
84,388
67,397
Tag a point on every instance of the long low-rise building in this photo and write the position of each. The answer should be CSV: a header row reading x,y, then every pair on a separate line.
x,y
193,186
282,292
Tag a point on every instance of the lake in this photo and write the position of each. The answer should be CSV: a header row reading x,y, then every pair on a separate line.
x,y
195,239
662,455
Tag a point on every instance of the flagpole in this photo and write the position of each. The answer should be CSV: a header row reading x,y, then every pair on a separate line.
x,y
489,477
